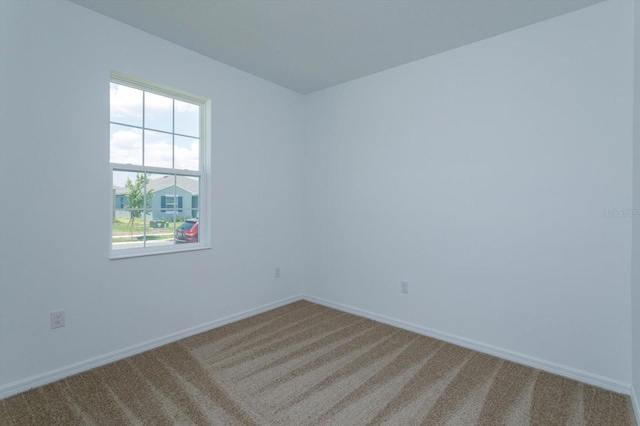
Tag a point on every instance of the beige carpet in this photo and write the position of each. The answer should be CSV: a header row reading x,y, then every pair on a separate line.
x,y
305,364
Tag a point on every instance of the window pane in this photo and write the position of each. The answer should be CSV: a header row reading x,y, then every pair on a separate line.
x,y
126,145
127,228
158,112
128,231
161,193
160,216
191,204
129,196
188,231
194,182
189,187
187,153
187,119
158,151
126,105
120,179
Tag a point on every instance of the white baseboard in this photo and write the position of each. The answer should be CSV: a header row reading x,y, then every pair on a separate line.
x,y
51,376
635,403
583,376
561,370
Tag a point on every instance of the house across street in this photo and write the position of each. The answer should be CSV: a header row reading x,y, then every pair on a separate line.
x,y
177,195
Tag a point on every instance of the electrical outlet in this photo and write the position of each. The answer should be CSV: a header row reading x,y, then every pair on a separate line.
x,y
404,286
57,319
276,273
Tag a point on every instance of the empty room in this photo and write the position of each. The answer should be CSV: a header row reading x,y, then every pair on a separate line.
x,y
320,212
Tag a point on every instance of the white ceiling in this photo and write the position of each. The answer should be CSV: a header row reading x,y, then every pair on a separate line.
x,y
309,45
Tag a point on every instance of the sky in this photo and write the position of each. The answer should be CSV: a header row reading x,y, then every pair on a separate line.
x,y
161,149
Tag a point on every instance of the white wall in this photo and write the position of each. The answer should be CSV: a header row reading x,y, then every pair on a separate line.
x,y
54,77
479,175
635,278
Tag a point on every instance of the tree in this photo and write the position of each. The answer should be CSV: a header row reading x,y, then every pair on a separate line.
x,y
136,198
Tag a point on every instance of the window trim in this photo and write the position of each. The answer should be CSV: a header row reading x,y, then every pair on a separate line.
x,y
204,174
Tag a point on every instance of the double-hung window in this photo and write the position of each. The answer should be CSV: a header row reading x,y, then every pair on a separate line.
x,y
158,146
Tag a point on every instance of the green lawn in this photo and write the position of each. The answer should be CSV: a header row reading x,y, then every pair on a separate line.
x,y
121,229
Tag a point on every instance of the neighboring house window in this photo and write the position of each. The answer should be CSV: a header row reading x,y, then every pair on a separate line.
x,y
158,146
168,204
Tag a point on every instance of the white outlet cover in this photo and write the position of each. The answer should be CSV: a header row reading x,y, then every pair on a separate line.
x,y
57,319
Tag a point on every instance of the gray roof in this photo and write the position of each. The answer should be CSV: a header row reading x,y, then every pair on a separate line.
x,y
188,184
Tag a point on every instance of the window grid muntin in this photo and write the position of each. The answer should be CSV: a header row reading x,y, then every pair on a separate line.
x,y
147,128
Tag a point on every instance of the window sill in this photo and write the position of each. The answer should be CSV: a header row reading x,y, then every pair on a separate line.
x,y
141,252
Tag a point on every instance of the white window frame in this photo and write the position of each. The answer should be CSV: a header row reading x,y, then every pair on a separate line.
x,y
204,175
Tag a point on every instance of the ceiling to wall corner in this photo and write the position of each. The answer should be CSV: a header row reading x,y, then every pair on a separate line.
x,y
309,45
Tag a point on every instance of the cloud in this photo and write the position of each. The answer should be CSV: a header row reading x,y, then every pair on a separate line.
x,y
160,112
120,178
187,153
160,149
125,104
186,107
126,148
126,145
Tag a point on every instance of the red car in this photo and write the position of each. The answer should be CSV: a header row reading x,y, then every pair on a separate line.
x,y
187,232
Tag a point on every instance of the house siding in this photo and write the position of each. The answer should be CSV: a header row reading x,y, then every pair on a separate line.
x,y
185,209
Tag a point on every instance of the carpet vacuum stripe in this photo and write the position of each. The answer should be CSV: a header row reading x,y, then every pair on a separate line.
x,y
306,364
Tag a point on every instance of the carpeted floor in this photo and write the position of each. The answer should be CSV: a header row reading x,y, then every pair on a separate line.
x,y
305,364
